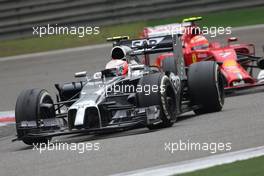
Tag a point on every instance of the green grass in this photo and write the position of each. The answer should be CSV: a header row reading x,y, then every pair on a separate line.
x,y
251,167
232,18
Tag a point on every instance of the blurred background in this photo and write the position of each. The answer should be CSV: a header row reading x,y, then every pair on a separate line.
x,y
114,17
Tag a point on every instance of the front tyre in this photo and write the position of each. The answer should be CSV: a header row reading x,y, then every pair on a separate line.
x,y
165,97
206,86
33,105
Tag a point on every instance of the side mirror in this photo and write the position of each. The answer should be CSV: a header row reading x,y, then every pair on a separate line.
x,y
80,74
261,76
260,63
232,39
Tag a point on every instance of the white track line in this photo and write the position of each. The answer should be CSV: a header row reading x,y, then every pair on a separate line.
x,y
197,164
91,47
7,114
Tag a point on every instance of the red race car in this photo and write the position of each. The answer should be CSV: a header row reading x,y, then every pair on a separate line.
x,y
237,61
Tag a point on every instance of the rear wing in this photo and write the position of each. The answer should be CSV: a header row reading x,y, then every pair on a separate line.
x,y
145,43
167,29
153,45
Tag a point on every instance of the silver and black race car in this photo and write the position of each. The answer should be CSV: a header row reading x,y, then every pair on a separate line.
x,y
143,96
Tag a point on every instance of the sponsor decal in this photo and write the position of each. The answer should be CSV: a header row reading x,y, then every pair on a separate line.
x,y
202,55
230,63
225,54
194,58
154,41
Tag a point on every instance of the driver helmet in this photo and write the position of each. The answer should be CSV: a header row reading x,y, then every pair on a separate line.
x,y
120,66
199,42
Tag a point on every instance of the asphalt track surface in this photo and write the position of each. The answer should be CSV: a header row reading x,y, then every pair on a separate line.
x,y
241,122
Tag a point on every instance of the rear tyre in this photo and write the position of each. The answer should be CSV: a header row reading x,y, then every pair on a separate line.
x,y
206,87
169,65
29,108
165,97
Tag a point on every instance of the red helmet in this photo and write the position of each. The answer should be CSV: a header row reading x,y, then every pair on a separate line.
x,y
199,42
